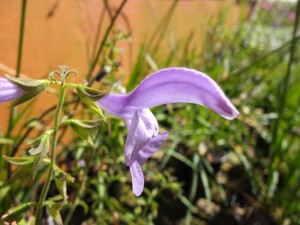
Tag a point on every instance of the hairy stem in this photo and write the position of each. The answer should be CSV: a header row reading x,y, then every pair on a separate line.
x,y
46,186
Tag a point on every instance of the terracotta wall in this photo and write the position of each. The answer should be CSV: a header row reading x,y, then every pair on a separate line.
x,y
57,32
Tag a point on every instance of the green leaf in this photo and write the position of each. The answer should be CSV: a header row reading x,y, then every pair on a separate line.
x,y
88,124
6,141
40,149
54,212
80,128
61,178
16,213
54,207
83,205
3,190
88,100
60,173
19,161
83,133
61,185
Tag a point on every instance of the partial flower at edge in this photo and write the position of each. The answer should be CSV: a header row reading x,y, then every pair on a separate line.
x,y
9,91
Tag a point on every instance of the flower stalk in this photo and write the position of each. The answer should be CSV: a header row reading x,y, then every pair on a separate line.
x,y
46,186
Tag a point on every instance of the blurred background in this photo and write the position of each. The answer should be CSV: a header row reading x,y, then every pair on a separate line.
x,y
210,170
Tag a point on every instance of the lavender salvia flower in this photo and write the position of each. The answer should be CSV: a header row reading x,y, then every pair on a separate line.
x,y
9,91
173,85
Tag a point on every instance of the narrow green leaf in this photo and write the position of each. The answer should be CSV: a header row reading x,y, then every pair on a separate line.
x,y
15,214
6,141
88,124
205,182
4,190
83,205
19,161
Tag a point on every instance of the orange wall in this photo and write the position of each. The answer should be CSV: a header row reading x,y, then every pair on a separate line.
x,y
62,37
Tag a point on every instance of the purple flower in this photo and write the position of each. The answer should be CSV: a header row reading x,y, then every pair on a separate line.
x,y
9,91
173,85
266,5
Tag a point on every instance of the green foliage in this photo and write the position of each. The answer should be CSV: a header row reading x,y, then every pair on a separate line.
x,y
209,171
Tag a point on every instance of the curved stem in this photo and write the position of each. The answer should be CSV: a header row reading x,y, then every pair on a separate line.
x,y
43,195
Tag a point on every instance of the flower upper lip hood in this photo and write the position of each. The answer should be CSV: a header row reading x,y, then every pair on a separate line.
x,y
9,91
173,85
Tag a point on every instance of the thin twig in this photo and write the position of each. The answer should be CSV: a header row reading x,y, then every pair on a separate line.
x,y
108,30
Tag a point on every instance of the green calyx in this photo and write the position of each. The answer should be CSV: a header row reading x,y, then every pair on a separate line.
x,y
27,84
88,96
31,88
91,93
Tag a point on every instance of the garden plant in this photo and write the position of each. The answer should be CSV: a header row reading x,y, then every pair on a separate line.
x,y
169,144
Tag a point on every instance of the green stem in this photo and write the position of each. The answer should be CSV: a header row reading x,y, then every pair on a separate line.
x,y
43,195
19,61
21,38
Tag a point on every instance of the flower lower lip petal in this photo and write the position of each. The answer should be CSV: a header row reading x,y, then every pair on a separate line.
x,y
137,177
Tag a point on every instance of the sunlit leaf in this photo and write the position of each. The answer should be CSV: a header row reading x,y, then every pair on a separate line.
x,y
19,161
